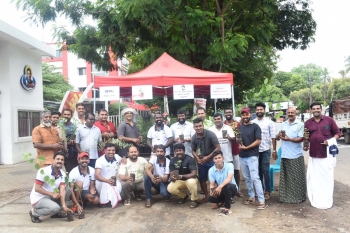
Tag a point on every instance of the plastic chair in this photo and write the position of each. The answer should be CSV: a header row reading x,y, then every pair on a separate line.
x,y
275,168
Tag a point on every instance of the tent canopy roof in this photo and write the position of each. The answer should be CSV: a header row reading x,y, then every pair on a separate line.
x,y
164,73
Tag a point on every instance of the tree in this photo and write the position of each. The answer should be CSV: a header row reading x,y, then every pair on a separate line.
x,y
273,95
339,88
54,85
312,74
223,35
301,97
344,73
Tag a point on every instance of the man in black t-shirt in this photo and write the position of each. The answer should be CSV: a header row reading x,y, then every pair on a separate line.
x,y
249,158
183,175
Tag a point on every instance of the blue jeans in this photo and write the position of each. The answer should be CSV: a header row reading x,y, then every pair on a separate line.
x,y
203,170
264,170
250,171
160,187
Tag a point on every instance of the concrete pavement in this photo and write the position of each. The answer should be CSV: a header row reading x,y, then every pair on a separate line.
x,y
18,181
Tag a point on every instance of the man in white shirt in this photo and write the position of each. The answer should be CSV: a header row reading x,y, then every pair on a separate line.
x,y
47,198
88,137
107,184
157,175
225,140
131,175
159,134
82,183
183,131
81,110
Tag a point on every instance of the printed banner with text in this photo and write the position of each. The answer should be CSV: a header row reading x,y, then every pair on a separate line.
x,y
220,91
144,92
110,93
183,92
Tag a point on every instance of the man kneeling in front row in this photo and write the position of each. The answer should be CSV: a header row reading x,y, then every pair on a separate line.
x,y
82,183
47,199
183,174
222,183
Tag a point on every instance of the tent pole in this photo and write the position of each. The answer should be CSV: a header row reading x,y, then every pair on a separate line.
x,y
233,100
119,109
93,80
215,105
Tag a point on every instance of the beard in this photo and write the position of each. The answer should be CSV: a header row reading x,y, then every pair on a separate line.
x,y
228,117
47,124
159,123
160,156
181,121
260,114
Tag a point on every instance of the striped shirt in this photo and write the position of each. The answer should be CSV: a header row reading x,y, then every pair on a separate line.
x,y
267,133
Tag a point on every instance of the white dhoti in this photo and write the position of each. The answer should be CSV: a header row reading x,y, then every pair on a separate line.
x,y
320,180
108,193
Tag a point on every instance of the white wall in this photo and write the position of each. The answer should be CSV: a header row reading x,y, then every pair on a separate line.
x,y
13,98
75,79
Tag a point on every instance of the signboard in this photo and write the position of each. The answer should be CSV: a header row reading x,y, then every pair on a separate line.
x,y
220,91
144,92
183,92
109,93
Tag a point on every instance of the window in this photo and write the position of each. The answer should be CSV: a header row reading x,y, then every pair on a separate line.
x,y
82,71
27,121
58,53
81,89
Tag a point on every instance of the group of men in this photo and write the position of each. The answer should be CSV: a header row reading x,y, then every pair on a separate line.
x,y
202,150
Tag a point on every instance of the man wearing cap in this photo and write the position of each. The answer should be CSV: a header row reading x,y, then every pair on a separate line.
x,y
106,127
160,134
82,183
107,184
128,131
249,158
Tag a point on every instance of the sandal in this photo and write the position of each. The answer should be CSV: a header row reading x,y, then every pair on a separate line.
x,y
262,206
148,204
225,212
248,201
138,198
167,199
194,204
267,196
35,219
232,200
239,194
59,215
127,202
182,200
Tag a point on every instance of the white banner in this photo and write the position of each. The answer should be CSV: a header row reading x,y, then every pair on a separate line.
x,y
144,92
220,91
109,93
183,92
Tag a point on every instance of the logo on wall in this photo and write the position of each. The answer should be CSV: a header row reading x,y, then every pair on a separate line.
x,y
27,80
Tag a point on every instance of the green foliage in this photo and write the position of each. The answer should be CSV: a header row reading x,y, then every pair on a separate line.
x,y
54,85
301,97
339,88
225,35
144,125
113,109
311,73
269,93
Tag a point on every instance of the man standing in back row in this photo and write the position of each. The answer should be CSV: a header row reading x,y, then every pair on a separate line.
x,y
268,133
249,158
320,172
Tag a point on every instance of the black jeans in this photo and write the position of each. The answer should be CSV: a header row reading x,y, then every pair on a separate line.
x,y
227,192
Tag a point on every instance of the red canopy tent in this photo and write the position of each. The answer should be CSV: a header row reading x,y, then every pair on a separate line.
x,y
162,74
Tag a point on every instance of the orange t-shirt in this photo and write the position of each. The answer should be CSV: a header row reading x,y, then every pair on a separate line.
x,y
45,135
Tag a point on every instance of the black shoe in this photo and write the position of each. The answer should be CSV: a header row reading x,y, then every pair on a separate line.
x,y
59,215
35,219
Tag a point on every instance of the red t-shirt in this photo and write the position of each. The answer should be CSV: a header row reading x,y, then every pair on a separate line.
x,y
109,127
234,144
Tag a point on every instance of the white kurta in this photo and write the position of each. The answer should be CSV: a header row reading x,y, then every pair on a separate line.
x,y
320,179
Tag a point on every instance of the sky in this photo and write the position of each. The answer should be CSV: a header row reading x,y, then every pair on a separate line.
x,y
329,50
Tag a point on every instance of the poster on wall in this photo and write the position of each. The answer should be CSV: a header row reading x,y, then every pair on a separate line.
x,y
183,92
27,79
110,93
144,92
220,91
199,102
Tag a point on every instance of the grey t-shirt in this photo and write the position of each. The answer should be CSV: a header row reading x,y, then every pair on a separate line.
x,y
249,134
206,144
126,130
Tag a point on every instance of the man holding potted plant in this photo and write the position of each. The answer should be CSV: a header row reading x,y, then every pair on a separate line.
x,y
106,127
204,143
49,196
183,175
128,131
157,175
82,184
69,130
222,183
